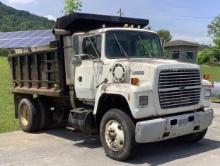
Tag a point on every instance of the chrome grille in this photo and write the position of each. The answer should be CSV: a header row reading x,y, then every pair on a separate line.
x,y
179,88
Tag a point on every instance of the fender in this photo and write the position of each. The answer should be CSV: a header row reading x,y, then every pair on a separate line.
x,y
118,89
130,94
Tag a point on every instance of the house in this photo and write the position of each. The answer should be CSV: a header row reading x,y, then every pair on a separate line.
x,y
182,50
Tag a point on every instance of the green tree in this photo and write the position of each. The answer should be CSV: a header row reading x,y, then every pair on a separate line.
x,y
72,6
17,20
204,56
217,42
165,34
214,29
209,55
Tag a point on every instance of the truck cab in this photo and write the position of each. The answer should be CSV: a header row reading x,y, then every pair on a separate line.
x,y
129,62
115,81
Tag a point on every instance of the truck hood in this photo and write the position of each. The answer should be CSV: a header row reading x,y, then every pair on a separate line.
x,y
148,71
145,69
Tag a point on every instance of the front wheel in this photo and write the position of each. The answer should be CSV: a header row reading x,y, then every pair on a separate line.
x,y
117,133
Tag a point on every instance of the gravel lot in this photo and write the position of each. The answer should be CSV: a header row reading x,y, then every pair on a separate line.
x,y
62,147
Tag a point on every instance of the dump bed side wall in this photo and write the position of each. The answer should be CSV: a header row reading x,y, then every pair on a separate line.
x,y
39,72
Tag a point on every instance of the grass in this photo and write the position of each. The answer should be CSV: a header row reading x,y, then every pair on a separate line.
x,y
7,121
212,71
215,100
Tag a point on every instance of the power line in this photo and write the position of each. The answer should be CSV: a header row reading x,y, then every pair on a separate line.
x,y
169,15
120,12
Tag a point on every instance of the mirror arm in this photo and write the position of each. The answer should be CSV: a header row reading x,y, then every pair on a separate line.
x,y
162,41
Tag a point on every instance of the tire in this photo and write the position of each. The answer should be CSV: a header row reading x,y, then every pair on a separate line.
x,y
116,121
28,116
195,137
44,114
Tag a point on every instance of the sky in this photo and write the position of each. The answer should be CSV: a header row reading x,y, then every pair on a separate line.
x,y
186,19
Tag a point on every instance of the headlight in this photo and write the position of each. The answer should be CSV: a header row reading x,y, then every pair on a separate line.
x,y
207,92
143,100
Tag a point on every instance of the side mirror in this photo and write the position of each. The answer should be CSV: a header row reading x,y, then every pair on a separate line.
x,y
76,60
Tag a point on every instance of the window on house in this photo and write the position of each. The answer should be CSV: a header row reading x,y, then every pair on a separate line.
x,y
176,55
189,56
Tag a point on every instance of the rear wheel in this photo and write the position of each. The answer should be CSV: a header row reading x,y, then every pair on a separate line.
x,y
195,137
28,115
45,116
117,134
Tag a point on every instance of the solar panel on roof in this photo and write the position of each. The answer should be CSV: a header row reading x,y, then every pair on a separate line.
x,y
22,39
43,42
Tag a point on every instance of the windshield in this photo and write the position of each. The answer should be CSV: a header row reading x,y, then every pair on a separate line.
x,y
132,44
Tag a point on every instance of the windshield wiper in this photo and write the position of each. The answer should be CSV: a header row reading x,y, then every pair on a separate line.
x,y
95,49
123,52
146,49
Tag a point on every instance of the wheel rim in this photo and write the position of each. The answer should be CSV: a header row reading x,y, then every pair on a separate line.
x,y
24,115
114,135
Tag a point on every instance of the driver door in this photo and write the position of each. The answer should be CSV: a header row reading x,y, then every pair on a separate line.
x,y
88,73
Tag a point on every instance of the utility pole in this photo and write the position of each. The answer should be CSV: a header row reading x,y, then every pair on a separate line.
x,y
120,12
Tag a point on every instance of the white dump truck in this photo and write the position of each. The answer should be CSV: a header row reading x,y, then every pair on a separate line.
x,y
108,75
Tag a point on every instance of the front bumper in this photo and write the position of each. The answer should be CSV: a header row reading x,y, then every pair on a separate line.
x,y
173,126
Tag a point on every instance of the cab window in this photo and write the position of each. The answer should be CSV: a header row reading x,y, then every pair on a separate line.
x,y
92,46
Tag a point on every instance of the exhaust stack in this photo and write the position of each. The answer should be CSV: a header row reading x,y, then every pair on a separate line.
x,y
61,32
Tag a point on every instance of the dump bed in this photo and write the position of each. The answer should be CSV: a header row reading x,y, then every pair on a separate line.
x,y
38,72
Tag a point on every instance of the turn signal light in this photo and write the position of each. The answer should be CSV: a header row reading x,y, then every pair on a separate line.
x,y
135,81
206,76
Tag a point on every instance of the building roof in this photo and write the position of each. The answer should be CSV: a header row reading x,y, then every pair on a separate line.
x,y
23,39
175,43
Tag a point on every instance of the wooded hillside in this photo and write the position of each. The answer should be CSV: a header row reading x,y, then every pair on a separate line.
x,y
18,20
